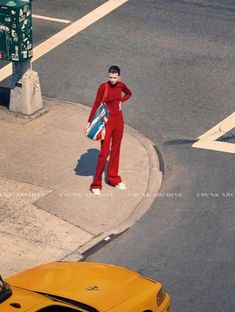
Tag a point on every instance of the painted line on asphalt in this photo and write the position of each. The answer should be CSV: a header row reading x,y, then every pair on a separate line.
x,y
208,139
52,19
68,32
216,146
220,129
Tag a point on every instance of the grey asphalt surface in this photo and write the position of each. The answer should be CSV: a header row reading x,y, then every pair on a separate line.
x,y
178,59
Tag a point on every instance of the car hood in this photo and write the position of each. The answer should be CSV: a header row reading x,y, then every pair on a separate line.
x,y
101,286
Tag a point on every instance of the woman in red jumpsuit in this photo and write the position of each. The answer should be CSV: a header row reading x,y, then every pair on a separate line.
x,y
114,129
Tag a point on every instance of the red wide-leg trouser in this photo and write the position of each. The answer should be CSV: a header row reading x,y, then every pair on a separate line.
x,y
113,137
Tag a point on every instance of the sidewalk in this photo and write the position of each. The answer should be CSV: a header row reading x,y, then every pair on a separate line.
x,y
47,212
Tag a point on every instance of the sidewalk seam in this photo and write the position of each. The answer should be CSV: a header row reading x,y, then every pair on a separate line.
x,y
31,240
30,183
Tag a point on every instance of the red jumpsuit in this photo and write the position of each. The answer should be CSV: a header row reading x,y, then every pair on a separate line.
x,y
114,132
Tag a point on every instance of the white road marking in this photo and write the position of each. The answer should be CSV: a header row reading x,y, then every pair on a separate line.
x,y
220,129
208,139
59,20
68,32
216,146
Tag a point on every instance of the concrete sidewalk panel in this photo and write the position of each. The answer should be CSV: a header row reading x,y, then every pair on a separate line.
x,y
18,130
52,159
9,137
76,204
21,254
19,194
34,236
137,160
52,150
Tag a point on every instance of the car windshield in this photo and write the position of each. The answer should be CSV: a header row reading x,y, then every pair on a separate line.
x,y
5,290
57,308
77,304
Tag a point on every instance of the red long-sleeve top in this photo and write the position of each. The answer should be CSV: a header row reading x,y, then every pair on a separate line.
x,y
113,99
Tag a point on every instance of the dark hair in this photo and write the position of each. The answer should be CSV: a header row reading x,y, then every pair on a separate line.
x,y
114,69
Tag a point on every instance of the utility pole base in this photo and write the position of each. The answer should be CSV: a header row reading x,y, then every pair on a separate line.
x,y
26,96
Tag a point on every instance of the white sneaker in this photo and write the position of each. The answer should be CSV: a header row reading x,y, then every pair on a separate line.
x,y
121,186
96,191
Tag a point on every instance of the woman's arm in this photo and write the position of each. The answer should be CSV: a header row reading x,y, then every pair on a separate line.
x,y
127,92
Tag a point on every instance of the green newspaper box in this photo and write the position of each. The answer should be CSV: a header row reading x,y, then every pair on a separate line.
x,y
16,30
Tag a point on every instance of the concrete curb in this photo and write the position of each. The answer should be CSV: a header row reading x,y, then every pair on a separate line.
x,y
154,184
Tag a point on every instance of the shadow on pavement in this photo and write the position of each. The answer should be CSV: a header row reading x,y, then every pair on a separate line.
x,y
228,137
87,163
179,142
5,96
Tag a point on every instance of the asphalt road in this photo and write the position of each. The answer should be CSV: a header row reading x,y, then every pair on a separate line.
x,y
178,58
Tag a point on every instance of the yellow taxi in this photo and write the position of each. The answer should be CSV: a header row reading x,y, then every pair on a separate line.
x,y
81,286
